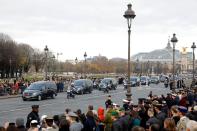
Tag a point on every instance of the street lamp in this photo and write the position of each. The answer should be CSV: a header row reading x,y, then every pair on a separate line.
x,y
193,47
10,62
85,56
76,61
129,15
174,41
58,63
53,58
46,57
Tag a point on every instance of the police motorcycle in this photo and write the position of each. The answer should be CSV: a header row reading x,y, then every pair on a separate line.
x,y
70,93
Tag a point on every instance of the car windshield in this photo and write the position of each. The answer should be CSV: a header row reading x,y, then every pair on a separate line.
x,y
133,79
78,83
154,78
106,81
143,78
35,86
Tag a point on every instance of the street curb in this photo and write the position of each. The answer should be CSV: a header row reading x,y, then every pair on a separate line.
x,y
11,96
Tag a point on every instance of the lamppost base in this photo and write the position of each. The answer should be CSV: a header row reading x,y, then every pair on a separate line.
x,y
128,95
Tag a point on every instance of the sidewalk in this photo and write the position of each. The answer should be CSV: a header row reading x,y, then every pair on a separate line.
x,y
10,96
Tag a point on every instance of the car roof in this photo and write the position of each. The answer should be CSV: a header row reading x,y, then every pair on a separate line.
x,y
109,78
42,82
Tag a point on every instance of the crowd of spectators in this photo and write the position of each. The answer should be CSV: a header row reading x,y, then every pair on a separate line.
x,y
173,112
13,87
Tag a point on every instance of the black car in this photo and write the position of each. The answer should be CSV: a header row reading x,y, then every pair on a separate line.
x,y
134,81
40,90
82,86
144,80
155,79
109,83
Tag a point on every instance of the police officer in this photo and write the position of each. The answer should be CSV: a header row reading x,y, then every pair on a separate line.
x,y
108,102
33,115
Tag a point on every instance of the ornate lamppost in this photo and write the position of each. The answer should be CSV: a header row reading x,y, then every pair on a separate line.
x,y
85,56
193,47
46,64
174,40
129,15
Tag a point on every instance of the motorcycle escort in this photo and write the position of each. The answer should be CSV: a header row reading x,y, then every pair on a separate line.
x,y
70,94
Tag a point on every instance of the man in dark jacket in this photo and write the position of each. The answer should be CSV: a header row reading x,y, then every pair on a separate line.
x,y
90,124
152,119
125,119
160,115
33,115
116,125
108,102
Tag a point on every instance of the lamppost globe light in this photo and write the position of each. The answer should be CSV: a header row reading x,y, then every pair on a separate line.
x,y
76,60
85,55
193,46
129,15
46,48
174,40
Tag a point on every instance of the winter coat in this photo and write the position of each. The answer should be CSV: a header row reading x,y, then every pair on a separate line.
x,y
90,124
101,114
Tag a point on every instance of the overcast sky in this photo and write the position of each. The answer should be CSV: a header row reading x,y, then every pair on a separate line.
x,y
98,27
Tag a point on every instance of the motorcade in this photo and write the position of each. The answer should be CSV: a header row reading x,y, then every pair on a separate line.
x,y
134,81
82,86
145,80
40,90
108,83
154,80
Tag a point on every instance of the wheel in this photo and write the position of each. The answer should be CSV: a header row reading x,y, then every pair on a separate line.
x,y
53,96
24,99
39,98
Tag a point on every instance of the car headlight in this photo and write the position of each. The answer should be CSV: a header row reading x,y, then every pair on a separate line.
x,y
35,94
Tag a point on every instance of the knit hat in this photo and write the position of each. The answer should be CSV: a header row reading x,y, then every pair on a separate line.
x,y
182,109
114,113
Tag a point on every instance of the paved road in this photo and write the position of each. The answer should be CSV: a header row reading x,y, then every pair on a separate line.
x,y
12,108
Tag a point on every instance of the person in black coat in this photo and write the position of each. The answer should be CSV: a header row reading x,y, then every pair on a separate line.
x,y
33,115
116,125
161,116
90,123
108,102
152,119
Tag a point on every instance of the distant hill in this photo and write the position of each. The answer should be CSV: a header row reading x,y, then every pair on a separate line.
x,y
117,59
